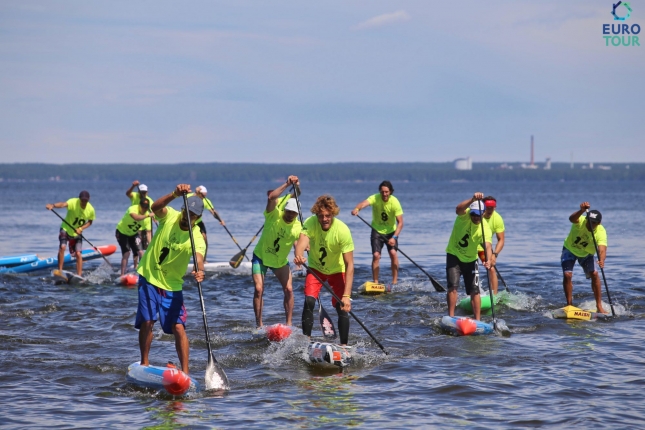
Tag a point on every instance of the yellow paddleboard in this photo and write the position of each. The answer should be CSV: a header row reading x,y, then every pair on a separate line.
x,y
372,288
571,312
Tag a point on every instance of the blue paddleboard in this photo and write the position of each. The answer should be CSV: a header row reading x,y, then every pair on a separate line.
x,y
464,326
176,382
46,263
17,260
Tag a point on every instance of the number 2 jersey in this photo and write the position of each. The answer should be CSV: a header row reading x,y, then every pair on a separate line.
x,y
128,225
465,237
277,237
384,213
77,216
165,261
326,248
580,242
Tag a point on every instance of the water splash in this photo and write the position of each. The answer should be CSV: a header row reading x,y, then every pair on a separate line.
x,y
215,378
101,274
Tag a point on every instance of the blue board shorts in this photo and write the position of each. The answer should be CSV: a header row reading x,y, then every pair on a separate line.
x,y
153,301
568,260
258,267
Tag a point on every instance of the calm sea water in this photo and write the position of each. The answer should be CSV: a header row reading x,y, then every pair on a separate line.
x,y
65,350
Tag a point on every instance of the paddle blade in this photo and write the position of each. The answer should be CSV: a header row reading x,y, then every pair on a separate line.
x,y
215,377
237,259
437,286
326,324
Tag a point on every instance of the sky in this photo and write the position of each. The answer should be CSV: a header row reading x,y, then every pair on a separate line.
x,y
312,82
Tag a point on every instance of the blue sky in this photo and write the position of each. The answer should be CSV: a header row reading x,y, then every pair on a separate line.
x,y
306,82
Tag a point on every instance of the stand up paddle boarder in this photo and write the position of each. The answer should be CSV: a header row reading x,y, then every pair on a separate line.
x,y
161,273
201,192
80,214
281,231
127,233
579,246
461,253
387,223
496,223
331,258
145,232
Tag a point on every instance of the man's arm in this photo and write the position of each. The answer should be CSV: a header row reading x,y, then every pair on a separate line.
x,y
461,207
159,206
361,206
301,246
399,227
199,275
602,254
129,192
348,258
137,217
574,217
58,205
500,242
272,198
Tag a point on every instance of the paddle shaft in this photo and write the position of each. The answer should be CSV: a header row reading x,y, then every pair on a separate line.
x,y
595,244
82,237
229,233
331,291
490,290
499,275
199,284
437,286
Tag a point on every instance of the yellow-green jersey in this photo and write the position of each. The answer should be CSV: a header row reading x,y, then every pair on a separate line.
x,y
496,224
580,241
77,216
208,205
165,261
134,199
465,237
277,237
128,225
384,213
327,247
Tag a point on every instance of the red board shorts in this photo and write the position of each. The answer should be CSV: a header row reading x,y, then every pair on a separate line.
x,y
335,280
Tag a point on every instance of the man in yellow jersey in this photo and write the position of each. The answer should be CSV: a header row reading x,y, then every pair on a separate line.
x,y
80,214
201,192
145,232
579,246
461,252
127,232
161,273
387,223
496,224
332,259
280,232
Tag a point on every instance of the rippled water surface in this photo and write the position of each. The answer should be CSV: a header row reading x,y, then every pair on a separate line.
x,y
65,349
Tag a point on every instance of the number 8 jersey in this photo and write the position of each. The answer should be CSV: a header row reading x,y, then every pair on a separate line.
x,y
326,248
165,261
580,242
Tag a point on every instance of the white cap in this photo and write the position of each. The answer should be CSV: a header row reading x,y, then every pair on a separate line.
x,y
477,207
202,189
292,206
143,187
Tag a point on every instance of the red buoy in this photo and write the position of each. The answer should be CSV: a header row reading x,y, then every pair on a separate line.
x,y
278,332
129,279
175,381
466,325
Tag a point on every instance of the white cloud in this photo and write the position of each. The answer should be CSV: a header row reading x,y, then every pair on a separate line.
x,y
383,20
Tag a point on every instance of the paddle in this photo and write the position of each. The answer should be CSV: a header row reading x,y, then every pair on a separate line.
x,y
437,286
82,237
490,290
236,260
326,324
213,365
593,236
229,233
499,275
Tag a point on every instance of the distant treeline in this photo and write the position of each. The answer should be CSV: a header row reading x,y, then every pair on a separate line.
x,y
416,172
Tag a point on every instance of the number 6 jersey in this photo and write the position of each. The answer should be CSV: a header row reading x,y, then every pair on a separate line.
x,y
326,248
165,261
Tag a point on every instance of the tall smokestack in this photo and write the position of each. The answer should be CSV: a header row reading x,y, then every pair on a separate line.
x,y
532,159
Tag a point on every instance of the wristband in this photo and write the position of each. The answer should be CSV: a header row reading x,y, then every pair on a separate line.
x,y
346,295
495,254
395,237
173,194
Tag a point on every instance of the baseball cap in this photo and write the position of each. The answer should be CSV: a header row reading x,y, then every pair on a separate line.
x,y
475,207
195,205
291,205
595,216
202,189
143,187
84,195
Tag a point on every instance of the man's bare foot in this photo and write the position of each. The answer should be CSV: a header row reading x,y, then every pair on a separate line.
x,y
601,310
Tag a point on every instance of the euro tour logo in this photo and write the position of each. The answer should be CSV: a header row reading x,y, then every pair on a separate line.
x,y
621,34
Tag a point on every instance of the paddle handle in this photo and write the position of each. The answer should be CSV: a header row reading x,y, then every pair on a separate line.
x,y
602,271
82,237
437,286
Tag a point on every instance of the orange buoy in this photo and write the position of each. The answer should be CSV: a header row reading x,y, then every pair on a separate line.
x,y
466,325
175,381
129,279
278,332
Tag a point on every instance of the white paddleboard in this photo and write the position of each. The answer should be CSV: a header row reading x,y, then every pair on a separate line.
x,y
223,267
66,277
329,355
169,379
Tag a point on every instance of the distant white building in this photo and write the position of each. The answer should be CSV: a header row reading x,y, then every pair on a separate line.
x,y
464,163
547,165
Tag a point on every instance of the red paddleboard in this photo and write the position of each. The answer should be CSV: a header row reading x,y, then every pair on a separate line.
x,y
278,332
128,280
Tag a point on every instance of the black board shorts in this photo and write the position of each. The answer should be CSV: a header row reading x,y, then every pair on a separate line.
x,y
455,268
128,243
379,239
